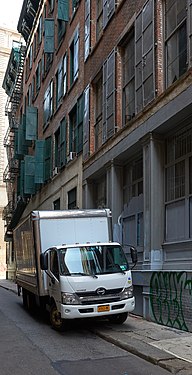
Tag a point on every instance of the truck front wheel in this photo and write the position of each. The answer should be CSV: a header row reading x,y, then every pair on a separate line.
x,y
57,322
118,318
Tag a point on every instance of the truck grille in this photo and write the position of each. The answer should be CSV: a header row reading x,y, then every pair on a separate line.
x,y
91,298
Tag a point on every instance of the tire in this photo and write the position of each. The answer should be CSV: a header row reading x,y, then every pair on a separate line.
x,y
118,318
28,300
24,296
57,323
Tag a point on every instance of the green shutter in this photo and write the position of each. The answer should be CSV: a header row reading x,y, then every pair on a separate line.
x,y
29,175
49,35
22,146
31,123
39,161
48,158
63,10
63,148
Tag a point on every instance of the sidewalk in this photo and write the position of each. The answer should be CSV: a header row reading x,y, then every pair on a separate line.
x,y
166,347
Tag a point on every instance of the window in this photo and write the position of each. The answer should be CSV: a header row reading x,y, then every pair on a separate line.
x,y
87,29
99,21
38,77
76,126
105,101
109,93
40,30
60,145
60,31
133,180
73,130
59,83
48,61
175,181
98,112
30,56
72,198
175,39
35,49
129,79
144,56
48,103
29,96
61,80
75,4
51,5
56,204
63,142
74,58
108,11
64,74
54,266
100,192
48,158
57,148
178,189
86,124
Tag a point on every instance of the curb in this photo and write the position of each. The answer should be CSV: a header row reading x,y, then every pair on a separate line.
x,y
148,352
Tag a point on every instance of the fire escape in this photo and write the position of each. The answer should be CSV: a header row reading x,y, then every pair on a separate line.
x,y
12,85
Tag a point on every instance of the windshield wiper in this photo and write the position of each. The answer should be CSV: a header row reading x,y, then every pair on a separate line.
x,y
119,269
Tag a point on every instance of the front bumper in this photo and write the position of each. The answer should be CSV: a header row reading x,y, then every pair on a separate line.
x,y
97,310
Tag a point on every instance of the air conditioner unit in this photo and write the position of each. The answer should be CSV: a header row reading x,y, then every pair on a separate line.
x,y
71,156
55,171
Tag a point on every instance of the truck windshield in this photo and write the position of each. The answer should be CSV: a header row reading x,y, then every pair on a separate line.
x,y
93,260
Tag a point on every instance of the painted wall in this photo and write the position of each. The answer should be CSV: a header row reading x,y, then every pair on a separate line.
x,y
171,299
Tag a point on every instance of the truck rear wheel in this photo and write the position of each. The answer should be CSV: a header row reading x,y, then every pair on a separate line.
x,y
118,318
57,322
28,300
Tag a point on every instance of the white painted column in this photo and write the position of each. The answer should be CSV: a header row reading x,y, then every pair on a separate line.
x,y
153,183
114,190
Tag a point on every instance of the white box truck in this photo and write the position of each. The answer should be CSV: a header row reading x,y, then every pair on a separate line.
x,y
66,261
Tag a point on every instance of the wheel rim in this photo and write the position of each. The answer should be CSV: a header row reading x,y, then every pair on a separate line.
x,y
56,317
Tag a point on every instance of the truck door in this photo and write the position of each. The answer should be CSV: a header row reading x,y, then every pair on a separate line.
x,y
54,281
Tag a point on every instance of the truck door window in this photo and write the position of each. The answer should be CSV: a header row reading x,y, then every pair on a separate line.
x,y
54,267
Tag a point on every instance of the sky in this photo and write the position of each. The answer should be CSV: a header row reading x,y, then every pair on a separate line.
x,y
10,12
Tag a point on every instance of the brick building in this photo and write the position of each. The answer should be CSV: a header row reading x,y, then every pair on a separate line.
x,y
105,121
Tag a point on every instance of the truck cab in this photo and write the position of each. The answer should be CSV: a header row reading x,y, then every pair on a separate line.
x,y
88,280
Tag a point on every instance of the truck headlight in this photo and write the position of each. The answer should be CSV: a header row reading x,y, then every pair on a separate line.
x,y
127,293
69,299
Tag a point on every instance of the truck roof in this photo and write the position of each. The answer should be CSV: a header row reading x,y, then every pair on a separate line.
x,y
58,214
87,244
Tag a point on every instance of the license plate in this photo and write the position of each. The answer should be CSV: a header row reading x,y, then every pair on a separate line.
x,y
103,308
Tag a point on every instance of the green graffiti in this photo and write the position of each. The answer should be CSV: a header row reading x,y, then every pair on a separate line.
x,y
170,298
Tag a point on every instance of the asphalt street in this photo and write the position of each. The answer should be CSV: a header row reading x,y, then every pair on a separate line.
x,y
168,348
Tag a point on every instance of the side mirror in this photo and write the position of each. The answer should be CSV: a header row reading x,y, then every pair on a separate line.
x,y
134,257
44,261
